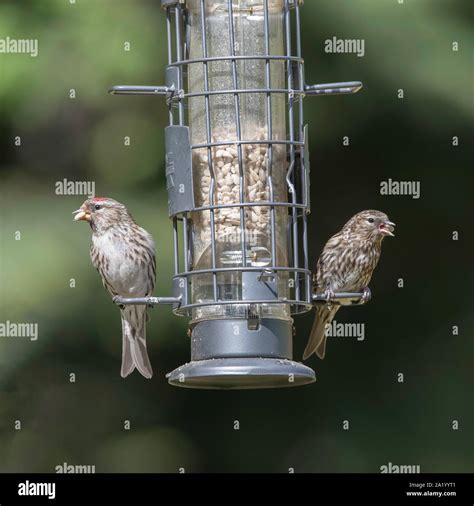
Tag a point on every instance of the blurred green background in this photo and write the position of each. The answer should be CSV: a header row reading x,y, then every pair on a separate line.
x,y
409,330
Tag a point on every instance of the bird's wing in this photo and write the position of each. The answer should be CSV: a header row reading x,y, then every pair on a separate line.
x,y
150,251
328,269
152,274
97,263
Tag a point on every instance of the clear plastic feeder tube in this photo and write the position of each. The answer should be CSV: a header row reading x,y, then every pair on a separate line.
x,y
236,118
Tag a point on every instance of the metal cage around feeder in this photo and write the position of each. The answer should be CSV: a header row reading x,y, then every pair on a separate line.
x,y
237,171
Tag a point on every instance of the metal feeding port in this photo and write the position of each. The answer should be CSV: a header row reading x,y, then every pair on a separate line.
x,y
237,170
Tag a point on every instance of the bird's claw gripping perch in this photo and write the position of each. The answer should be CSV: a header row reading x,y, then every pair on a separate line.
x,y
329,295
115,298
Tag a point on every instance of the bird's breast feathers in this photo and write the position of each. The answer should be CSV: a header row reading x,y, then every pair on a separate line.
x,y
346,264
118,262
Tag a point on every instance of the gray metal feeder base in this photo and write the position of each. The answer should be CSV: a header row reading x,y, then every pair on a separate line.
x,y
241,373
239,353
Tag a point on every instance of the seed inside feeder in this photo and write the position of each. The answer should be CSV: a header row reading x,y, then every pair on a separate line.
x,y
225,164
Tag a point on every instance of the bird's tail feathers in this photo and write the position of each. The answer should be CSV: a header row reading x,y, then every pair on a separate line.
x,y
317,337
134,351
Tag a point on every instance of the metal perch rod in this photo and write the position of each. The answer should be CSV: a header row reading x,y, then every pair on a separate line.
x,y
333,88
149,301
139,90
337,298
354,298
343,88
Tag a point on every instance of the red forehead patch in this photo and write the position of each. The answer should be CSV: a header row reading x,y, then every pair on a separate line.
x,y
97,199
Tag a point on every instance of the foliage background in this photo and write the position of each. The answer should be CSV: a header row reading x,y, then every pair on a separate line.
x,y
408,330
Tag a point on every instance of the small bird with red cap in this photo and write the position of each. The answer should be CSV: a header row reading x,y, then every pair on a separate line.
x,y
124,255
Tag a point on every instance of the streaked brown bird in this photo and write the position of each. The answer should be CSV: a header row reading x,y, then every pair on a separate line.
x,y
124,255
346,264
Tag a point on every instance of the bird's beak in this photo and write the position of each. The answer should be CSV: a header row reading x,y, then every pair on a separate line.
x,y
386,228
81,215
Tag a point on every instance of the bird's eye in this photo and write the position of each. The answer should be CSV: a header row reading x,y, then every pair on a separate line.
x,y
370,220
97,207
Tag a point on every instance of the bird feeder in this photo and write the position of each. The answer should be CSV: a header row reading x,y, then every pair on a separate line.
x,y
237,171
